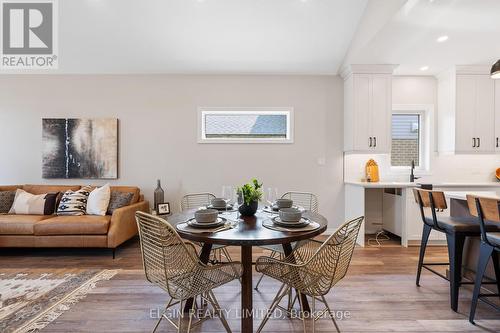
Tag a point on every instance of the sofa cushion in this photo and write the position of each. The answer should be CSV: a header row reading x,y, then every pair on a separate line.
x,y
6,201
74,203
19,224
128,189
118,200
73,225
40,189
31,204
9,187
98,201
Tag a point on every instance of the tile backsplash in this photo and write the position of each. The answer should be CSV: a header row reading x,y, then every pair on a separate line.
x,y
443,168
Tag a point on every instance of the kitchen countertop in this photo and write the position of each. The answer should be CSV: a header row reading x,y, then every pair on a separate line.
x,y
462,195
390,184
382,184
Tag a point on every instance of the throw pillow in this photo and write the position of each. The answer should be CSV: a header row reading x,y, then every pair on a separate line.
x,y
27,203
74,202
118,200
98,201
6,201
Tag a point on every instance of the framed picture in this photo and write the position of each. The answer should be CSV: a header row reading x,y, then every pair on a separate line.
x,y
163,208
80,148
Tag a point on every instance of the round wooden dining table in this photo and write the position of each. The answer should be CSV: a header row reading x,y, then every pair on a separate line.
x,y
248,233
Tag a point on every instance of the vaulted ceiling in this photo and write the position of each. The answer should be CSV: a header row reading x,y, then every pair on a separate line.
x,y
209,36
274,36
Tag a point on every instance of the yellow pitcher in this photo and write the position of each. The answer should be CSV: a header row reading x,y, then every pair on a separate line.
x,y
371,170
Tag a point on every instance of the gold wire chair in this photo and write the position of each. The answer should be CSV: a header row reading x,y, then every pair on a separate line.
x,y
312,269
306,200
197,200
173,265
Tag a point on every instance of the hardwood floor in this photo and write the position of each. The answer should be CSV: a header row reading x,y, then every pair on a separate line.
x,y
378,294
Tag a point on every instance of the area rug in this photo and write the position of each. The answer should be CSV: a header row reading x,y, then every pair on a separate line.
x,y
31,299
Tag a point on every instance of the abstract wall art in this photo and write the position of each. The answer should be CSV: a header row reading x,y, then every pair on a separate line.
x,y
80,148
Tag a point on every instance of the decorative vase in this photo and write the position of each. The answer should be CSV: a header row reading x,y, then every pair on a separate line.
x,y
249,210
159,195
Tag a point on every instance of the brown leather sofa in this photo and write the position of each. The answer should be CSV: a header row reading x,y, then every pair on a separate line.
x,y
71,231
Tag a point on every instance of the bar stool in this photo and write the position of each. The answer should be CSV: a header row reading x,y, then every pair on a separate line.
x,y
485,209
456,230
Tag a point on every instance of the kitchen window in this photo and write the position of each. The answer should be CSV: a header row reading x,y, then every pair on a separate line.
x,y
245,125
410,139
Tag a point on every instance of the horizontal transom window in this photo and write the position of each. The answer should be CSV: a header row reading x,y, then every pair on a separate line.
x,y
245,125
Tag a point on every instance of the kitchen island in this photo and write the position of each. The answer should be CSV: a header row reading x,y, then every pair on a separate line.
x,y
390,206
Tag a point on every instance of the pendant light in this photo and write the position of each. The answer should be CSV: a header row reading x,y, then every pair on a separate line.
x,y
495,70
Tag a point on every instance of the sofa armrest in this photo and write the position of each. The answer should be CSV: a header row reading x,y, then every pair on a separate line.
x,y
123,225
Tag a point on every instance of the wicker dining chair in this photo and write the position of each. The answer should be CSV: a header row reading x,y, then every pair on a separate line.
x,y
173,265
309,202
303,199
197,200
312,269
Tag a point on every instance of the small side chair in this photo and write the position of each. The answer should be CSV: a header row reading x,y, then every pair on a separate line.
x,y
309,202
196,200
485,209
313,268
173,265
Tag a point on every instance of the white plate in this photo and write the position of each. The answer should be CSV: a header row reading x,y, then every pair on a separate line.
x,y
220,221
302,223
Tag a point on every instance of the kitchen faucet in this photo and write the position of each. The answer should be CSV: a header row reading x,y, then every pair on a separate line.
x,y
412,176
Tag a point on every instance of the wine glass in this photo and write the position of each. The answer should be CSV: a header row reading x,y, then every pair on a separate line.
x,y
227,192
271,196
239,200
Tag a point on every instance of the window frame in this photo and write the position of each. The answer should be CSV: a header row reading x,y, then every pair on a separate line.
x,y
287,111
426,112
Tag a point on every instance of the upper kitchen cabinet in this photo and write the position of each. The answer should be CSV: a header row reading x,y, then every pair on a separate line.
x,y
367,108
466,111
497,115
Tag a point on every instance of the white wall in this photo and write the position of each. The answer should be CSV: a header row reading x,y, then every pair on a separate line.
x,y
443,167
158,121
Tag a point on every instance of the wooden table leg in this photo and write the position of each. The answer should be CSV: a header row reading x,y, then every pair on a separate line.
x,y
246,290
204,256
287,248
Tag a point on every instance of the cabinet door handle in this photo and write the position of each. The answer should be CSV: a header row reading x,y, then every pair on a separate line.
x,y
374,141
370,144
473,142
478,142
497,142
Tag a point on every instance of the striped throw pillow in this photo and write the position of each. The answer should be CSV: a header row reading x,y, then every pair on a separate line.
x,y
74,202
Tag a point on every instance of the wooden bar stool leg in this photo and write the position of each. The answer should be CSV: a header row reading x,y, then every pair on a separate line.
x,y
484,256
496,265
455,249
423,245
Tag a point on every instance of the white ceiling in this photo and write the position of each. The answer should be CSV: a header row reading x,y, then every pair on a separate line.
x,y
274,36
210,36
409,37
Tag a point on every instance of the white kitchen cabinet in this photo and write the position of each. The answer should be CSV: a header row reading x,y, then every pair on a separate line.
x,y
497,115
475,114
367,108
466,116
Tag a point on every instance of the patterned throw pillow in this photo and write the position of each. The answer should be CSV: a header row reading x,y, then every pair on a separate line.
x,y
39,204
74,202
119,199
6,201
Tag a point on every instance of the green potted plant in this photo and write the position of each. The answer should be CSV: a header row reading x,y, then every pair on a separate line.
x,y
252,193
